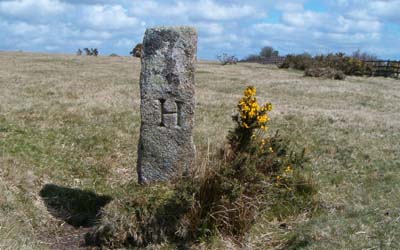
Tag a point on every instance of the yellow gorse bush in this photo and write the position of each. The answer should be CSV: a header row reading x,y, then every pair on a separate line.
x,y
251,114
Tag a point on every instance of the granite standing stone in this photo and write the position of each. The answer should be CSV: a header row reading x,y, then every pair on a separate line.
x,y
166,150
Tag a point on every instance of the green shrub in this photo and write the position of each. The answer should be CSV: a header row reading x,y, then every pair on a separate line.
x,y
339,62
137,51
299,62
327,72
255,173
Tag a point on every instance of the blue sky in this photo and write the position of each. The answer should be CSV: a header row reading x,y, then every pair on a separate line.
x,y
231,26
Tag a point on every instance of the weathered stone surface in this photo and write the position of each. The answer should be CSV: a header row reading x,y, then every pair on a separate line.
x,y
166,149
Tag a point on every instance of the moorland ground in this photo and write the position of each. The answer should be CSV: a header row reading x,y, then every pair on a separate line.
x,y
73,122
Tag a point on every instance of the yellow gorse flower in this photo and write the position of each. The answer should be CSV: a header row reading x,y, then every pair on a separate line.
x,y
250,91
262,118
289,169
263,142
251,114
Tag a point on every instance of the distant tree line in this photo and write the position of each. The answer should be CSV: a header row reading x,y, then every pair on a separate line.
x,y
267,55
136,51
88,52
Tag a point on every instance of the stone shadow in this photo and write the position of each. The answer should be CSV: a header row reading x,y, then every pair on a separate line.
x,y
79,208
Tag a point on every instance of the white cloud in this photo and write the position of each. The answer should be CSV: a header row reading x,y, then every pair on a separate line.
x,y
385,9
289,6
124,42
360,25
210,28
318,32
272,28
32,8
372,10
347,26
343,3
108,17
153,8
305,19
209,10
360,14
23,30
232,26
200,10
87,43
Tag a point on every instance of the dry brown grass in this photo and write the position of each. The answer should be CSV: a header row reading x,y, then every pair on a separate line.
x,y
74,121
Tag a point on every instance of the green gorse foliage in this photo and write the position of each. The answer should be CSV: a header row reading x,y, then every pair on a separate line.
x,y
255,174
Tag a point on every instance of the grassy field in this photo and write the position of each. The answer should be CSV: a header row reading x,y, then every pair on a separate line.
x,y
73,122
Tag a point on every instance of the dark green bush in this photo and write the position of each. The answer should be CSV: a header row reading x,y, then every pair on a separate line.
x,y
299,62
321,63
137,51
327,72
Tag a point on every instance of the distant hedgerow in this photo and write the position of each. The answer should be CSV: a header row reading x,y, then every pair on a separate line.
x,y
330,65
